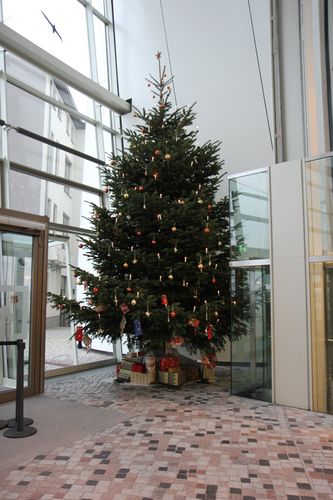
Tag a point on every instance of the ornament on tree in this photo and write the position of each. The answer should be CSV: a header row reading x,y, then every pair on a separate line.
x,y
177,341
174,228
81,245
137,328
209,331
100,308
124,308
213,280
167,157
195,323
164,300
86,341
173,313
95,290
79,333
125,265
207,230
157,152
122,324
133,302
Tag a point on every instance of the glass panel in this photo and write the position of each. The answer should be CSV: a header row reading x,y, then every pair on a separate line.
x,y
45,83
251,367
35,115
249,212
321,280
99,5
319,181
100,42
59,27
61,348
15,304
36,196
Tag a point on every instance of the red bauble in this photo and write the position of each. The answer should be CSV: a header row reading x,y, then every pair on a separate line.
x,y
129,289
207,230
173,314
141,188
106,190
164,300
157,152
153,242
138,233
81,245
95,290
213,280
61,306
79,333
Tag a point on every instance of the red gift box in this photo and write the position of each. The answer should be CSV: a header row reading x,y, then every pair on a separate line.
x,y
168,362
138,367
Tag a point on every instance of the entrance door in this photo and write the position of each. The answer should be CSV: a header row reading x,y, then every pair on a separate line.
x,y
251,367
22,301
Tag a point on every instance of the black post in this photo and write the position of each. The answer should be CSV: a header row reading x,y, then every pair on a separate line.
x,y
20,430
19,421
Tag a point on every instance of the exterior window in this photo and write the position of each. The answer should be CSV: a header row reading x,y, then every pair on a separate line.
x,y
65,219
68,125
57,159
55,212
50,156
68,170
48,207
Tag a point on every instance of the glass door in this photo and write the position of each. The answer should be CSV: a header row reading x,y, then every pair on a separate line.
x,y
251,365
23,269
16,251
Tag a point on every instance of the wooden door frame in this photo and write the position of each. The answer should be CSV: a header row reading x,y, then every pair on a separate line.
x,y
36,226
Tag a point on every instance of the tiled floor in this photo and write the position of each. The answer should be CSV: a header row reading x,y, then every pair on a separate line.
x,y
195,442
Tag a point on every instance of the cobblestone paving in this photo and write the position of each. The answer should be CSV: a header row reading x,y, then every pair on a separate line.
x,y
193,442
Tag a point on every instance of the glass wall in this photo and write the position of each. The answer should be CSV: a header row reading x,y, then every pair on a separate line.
x,y
319,184
251,367
54,142
251,356
249,212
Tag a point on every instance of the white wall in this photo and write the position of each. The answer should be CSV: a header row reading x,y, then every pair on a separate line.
x,y
289,285
213,60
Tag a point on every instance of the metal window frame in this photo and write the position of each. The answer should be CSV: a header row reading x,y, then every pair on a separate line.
x,y
22,47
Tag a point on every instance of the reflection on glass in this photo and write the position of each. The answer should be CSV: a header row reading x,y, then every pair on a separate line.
x,y
321,286
251,355
249,217
61,347
57,201
319,180
53,123
15,304
68,40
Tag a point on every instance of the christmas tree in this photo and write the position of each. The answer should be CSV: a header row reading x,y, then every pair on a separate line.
x,y
160,253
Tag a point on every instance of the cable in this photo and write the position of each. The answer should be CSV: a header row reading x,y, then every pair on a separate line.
x,y
168,51
260,76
